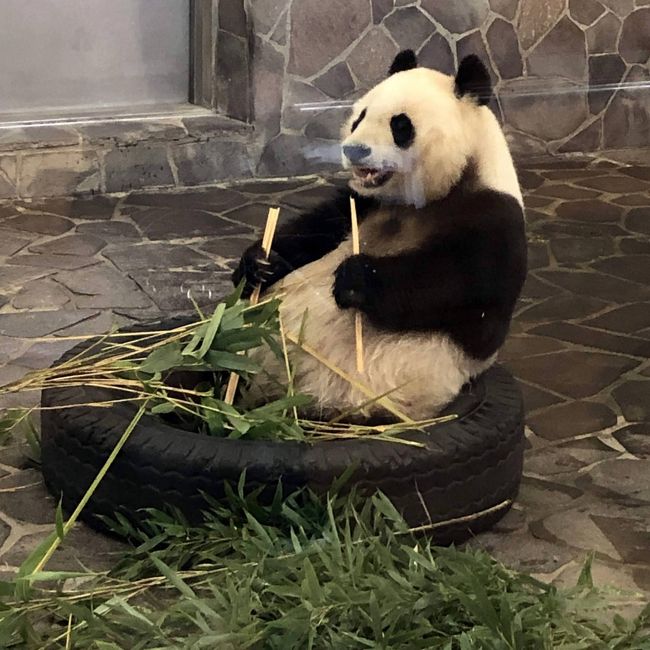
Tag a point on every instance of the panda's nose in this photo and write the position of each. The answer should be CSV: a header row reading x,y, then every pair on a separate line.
x,y
356,152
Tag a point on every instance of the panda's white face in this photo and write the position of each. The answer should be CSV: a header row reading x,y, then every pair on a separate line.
x,y
408,139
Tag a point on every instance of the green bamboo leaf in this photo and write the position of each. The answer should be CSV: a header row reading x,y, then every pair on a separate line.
x,y
240,424
236,295
216,423
419,559
260,530
465,642
241,486
9,420
33,438
310,585
132,611
287,591
173,578
190,349
164,358
58,576
278,406
240,340
265,313
375,617
233,318
165,407
37,555
385,506
219,360
303,327
58,519
125,364
7,588
344,479
295,542
211,330
585,579
274,344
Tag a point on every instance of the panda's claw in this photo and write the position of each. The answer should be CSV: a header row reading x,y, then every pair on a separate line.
x,y
258,269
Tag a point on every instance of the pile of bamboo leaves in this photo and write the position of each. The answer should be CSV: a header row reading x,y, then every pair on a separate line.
x,y
141,367
305,572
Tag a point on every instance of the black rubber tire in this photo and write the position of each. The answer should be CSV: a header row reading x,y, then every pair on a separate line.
x,y
470,465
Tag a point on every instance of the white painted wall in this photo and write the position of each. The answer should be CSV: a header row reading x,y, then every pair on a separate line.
x,y
79,54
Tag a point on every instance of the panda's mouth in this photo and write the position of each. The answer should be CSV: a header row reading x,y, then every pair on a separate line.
x,y
372,177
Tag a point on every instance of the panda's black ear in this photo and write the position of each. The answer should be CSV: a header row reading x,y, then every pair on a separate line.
x,y
473,79
405,60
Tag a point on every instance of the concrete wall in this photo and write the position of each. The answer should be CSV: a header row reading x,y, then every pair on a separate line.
x,y
62,54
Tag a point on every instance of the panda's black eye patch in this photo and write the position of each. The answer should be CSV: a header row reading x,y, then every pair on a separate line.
x,y
403,130
358,121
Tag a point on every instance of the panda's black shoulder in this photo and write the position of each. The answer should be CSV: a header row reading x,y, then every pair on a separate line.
x,y
491,226
500,205
470,205
488,228
487,210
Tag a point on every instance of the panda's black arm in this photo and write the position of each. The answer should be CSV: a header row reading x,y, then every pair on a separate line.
x,y
302,240
314,234
451,279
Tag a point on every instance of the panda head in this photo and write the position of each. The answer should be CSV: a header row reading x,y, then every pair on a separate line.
x,y
410,138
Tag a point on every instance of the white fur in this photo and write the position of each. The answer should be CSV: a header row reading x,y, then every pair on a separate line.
x,y
426,371
494,162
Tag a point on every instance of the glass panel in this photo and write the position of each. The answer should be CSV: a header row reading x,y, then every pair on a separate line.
x,y
63,54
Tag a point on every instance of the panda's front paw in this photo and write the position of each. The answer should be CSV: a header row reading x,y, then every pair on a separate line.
x,y
256,269
352,282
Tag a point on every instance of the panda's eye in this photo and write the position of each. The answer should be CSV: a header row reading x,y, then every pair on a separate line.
x,y
358,121
403,130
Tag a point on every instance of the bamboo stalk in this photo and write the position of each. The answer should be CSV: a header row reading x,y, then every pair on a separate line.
x,y
56,541
267,240
358,323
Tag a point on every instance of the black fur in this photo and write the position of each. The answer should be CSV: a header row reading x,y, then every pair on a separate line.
x,y
403,130
463,282
258,269
405,60
473,79
358,121
353,282
301,241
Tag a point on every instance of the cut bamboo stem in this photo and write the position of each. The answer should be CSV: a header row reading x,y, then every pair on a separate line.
x,y
358,323
267,240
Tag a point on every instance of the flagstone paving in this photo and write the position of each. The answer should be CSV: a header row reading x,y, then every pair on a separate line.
x,y
580,344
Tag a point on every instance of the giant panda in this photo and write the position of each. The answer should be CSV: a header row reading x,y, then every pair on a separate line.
x,y
443,251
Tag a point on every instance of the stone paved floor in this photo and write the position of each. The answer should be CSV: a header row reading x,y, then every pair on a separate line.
x,y
580,344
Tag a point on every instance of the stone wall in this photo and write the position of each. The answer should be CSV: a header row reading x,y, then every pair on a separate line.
x,y
557,66
572,76
123,155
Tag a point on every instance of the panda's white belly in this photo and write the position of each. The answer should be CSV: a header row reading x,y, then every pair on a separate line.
x,y
424,371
